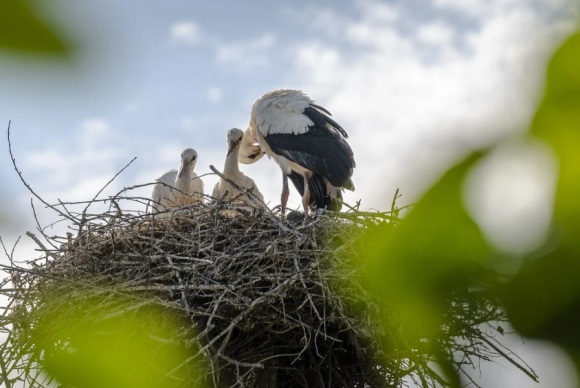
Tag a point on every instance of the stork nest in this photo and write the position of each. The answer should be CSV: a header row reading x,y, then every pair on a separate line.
x,y
268,302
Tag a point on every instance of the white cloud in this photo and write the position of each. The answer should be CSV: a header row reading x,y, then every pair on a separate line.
x,y
185,32
437,33
95,127
409,117
378,11
76,170
194,125
471,6
378,36
488,8
251,53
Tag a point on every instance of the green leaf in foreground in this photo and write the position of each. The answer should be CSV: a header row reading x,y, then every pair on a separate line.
x,y
543,300
113,342
415,268
22,30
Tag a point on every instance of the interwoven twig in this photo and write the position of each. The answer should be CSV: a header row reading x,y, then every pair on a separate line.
x,y
271,303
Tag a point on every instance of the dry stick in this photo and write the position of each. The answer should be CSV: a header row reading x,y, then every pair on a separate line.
x,y
42,247
73,282
84,212
105,200
4,372
181,284
62,204
531,374
209,324
118,195
40,228
235,321
363,214
10,255
26,183
241,363
253,197
299,272
394,209
125,310
242,190
471,379
108,183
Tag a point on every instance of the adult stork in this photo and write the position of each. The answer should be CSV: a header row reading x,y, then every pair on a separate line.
x,y
307,143
179,187
232,172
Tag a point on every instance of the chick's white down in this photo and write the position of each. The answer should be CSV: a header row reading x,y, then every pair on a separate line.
x,y
232,172
179,187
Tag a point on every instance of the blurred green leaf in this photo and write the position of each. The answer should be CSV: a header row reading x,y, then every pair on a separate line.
x,y
113,342
415,267
558,123
543,300
22,30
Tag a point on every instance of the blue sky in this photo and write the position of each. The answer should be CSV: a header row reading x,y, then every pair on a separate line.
x,y
417,84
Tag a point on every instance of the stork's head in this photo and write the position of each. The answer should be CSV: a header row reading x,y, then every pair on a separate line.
x,y
250,150
235,137
188,160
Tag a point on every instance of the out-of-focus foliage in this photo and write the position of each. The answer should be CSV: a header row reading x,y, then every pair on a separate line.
x,y
113,342
418,264
438,249
415,268
23,30
543,300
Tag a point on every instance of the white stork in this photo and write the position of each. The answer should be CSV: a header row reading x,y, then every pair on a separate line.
x,y
308,145
163,196
233,173
189,186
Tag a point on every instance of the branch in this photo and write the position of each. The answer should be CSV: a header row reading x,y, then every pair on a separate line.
x,y
26,183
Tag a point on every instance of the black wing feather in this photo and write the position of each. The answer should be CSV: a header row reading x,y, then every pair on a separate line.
x,y
322,149
316,114
318,195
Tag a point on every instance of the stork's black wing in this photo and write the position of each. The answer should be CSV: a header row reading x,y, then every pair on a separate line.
x,y
318,194
322,149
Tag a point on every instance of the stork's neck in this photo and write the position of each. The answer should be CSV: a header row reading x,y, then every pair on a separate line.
x,y
184,183
231,165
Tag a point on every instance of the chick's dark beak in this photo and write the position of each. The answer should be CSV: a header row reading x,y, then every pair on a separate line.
x,y
231,146
183,167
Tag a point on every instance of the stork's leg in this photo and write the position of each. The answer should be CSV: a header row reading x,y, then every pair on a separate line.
x,y
285,193
306,196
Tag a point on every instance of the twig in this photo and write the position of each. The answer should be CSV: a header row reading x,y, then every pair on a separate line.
x,y
26,183
42,247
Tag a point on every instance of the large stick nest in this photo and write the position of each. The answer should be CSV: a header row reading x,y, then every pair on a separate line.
x,y
270,302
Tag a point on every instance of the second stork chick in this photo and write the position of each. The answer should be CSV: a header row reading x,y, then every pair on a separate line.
x,y
233,173
178,187
188,184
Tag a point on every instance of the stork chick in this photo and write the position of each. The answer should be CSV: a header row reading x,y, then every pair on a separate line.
x,y
233,173
189,186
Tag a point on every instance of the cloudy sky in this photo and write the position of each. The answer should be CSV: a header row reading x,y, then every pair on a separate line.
x,y
416,83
